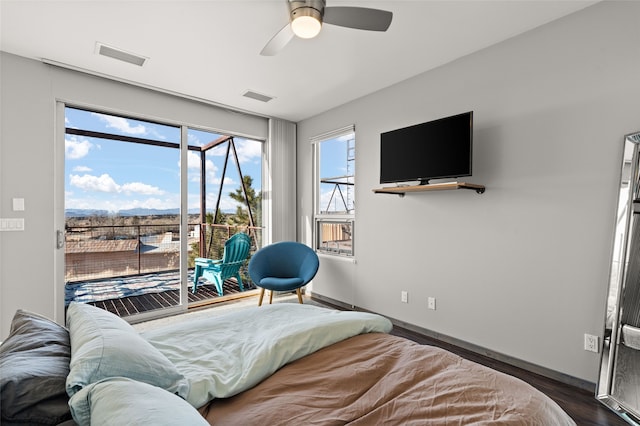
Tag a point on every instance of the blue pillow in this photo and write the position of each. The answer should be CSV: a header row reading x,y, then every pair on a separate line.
x,y
104,345
122,401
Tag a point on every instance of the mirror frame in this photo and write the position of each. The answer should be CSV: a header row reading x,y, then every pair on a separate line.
x,y
628,191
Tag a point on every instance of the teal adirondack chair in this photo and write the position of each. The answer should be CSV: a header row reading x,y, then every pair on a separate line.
x,y
236,251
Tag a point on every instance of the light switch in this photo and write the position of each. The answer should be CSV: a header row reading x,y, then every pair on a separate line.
x,y
18,204
12,224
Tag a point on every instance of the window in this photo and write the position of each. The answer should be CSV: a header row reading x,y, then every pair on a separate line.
x,y
334,183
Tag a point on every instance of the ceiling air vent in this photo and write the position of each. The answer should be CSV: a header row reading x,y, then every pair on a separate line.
x,y
120,55
257,96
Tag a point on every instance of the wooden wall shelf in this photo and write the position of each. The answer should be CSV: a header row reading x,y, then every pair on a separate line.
x,y
402,190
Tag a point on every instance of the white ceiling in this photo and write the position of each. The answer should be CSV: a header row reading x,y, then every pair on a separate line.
x,y
210,49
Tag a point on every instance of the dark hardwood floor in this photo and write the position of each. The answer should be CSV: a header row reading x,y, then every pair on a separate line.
x,y
132,305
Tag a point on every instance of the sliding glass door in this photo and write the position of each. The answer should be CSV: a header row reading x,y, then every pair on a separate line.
x,y
143,200
122,212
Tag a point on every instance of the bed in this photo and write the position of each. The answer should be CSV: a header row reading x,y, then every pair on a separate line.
x,y
277,364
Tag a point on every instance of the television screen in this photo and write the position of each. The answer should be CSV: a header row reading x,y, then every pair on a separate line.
x,y
433,150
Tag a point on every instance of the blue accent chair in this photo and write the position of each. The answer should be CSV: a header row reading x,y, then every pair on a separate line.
x,y
283,266
236,251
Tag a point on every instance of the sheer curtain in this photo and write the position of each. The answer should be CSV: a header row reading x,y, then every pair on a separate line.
x,y
279,182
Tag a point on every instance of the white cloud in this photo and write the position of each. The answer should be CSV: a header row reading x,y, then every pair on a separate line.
x,y
193,140
193,165
140,188
226,203
75,149
105,183
82,169
218,151
211,172
121,124
248,150
193,160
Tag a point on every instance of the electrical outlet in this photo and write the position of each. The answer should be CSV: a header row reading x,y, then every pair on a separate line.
x,y
404,297
591,343
431,303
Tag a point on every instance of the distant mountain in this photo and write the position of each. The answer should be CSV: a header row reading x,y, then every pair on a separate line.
x,y
85,213
129,212
149,212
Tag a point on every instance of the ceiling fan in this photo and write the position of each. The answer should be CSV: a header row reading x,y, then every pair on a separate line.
x,y
307,16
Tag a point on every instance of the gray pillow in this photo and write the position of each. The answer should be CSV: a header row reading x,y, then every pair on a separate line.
x,y
34,361
104,345
122,401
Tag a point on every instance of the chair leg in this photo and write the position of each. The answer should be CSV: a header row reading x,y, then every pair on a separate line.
x,y
299,293
271,297
239,278
261,296
196,274
219,288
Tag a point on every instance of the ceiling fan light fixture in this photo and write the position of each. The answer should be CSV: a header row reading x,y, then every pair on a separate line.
x,y
306,18
306,22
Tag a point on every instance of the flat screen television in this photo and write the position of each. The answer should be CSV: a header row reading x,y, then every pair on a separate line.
x,y
436,149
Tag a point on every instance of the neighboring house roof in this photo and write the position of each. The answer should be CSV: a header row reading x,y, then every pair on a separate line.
x,y
100,246
162,243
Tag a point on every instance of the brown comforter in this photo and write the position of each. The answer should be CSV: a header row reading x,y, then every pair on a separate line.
x,y
376,379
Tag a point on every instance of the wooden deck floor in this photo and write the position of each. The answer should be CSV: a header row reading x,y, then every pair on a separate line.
x,y
207,293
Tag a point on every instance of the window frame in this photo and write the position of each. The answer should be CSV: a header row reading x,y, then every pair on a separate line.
x,y
320,218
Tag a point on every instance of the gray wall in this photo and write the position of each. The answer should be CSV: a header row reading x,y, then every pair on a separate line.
x,y
521,270
31,166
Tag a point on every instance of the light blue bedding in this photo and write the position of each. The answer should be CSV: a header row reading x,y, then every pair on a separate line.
x,y
224,355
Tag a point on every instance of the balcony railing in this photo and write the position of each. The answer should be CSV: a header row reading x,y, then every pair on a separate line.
x,y
109,251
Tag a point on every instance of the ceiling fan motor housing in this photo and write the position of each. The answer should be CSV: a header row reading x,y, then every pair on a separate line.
x,y
312,8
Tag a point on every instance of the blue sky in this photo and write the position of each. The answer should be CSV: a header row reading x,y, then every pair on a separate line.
x,y
114,175
334,164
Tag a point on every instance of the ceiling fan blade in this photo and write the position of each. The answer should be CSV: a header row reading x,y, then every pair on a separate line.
x,y
360,18
278,41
